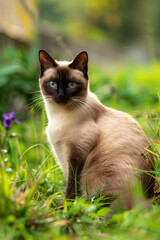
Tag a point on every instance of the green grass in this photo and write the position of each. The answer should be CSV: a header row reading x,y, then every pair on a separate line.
x,y
32,185
130,88
32,202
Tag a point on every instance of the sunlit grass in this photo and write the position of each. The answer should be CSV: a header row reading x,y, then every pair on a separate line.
x,y
132,88
32,185
32,202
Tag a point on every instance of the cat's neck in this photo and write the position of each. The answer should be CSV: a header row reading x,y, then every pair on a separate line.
x,y
89,108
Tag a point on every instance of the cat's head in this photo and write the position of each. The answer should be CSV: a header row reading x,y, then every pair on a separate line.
x,y
63,82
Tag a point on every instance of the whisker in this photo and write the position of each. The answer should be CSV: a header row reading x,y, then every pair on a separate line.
x,y
36,103
78,101
37,91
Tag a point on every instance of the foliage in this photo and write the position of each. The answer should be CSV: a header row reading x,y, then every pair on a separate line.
x,y
128,88
18,76
32,202
122,20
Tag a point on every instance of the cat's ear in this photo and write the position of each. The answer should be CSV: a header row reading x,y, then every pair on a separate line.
x,y
46,61
81,63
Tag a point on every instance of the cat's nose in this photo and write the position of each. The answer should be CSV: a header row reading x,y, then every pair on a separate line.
x,y
61,96
60,93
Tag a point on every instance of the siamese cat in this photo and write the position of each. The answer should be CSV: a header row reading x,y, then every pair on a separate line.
x,y
101,150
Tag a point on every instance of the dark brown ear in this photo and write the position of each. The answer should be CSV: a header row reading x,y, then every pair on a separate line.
x,y
81,63
46,61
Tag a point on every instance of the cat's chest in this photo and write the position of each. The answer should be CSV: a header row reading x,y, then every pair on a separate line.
x,y
60,136
58,130
64,135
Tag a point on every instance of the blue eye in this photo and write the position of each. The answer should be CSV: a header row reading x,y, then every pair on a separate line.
x,y
72,85
52,84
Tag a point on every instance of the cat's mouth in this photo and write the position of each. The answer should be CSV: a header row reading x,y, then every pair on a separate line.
x,y
62,100
67,101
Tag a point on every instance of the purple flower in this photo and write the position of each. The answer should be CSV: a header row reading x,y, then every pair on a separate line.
x,y
108,217
8,119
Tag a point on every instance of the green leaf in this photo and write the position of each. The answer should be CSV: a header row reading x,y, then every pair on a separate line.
x,y
91,209
86,219
3,81
103,212
7,70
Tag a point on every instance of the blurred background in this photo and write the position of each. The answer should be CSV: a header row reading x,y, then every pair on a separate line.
x,y
122,39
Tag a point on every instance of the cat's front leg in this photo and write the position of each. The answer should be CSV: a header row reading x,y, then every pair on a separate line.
x,y
71,186
73,180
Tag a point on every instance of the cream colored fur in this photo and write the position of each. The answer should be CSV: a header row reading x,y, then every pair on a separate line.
x,y
119,148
